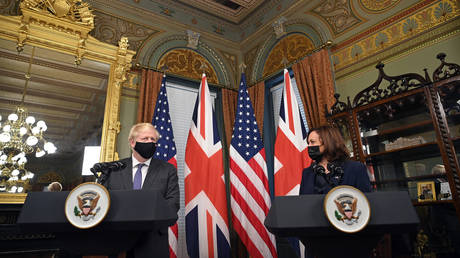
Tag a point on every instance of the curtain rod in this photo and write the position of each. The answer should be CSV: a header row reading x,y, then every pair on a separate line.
x,y
327,44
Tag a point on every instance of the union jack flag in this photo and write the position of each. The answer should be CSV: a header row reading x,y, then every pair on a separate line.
x,y
166,149
250,195
291,154
206,219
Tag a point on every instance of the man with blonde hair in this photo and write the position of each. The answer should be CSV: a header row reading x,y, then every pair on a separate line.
x,y
145,172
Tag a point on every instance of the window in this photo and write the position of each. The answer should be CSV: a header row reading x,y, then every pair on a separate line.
x,y
276,93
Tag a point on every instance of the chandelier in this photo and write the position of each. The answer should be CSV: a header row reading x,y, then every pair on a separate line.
x,y
20,136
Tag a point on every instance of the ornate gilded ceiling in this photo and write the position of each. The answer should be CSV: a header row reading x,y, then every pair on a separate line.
x,y
231,10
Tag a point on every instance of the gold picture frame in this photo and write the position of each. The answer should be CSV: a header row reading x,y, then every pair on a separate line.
x,y
39,28
426,191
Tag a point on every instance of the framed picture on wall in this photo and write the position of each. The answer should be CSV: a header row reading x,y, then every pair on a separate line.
x,y
426,191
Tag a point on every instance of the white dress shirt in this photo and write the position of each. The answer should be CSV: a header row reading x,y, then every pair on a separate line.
x,y
144,169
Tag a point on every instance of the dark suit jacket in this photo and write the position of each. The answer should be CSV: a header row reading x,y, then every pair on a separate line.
x,y
354,174
161,176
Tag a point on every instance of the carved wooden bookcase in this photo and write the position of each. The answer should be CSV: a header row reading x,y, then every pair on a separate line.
x,y
406,129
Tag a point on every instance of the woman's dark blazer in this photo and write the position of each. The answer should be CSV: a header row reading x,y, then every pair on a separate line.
x,y
355,174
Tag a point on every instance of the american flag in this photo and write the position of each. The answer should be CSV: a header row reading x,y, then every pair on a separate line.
x,y
250,197
291,154
166,149
205,196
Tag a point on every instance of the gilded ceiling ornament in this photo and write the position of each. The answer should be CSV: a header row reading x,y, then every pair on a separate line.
x,y
290,48
338,14
278,26
377,6
110,29
188,63
192,38
74,10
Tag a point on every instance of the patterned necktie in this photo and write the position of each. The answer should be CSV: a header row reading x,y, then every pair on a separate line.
x,y
137,184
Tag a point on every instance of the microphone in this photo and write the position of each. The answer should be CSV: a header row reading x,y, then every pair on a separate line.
x,y
116,165
105,167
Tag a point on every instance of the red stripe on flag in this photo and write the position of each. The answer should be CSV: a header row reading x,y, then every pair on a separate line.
x,y
245,239
171,253
203,108
210,234
289,115
259,172
205,176
292,159
248,184
253,219
173,161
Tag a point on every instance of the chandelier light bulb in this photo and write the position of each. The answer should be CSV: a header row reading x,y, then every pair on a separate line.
x,y
49,147
35,130
22,161
13,189
5,137
31,140
24,177
6,128
20,189
3,157
15,172
22,131
13,117
40,153
41,124
30,120
0,117
30,175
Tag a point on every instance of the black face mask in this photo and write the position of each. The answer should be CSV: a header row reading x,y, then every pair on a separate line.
x,y
314,153
145,149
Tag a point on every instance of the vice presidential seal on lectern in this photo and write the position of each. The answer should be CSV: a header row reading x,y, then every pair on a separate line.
x,y
87,205
347,208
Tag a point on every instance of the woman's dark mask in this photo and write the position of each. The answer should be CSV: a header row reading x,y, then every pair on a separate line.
x,y
145,149
314,153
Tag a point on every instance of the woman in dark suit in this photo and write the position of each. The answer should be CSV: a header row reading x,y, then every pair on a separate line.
x,y
331,164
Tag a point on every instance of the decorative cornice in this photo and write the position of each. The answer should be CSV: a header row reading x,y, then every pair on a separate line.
x,y
405,31
381,25
428,39
146,15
